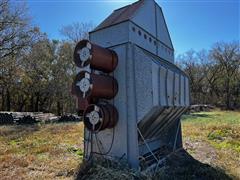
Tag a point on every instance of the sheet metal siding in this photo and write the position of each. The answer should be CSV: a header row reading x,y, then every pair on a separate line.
x,y
132,109
162,84
123,104
170,84
163,34
123,33
148,41
173,87
182,96
142,78
120,101
143,82
114,35
145,17
150,117
155,83
165,53
142,38
150,131
177,90
187,94
153,93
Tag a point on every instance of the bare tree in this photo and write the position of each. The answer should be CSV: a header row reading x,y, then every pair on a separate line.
x,y
16,37
214,75
76,31
16,34
191,63
227,56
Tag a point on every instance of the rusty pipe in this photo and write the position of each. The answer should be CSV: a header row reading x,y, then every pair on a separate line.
x,y
82,104
95,86
99,117
99,58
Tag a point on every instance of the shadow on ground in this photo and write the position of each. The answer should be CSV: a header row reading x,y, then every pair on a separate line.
x,y
179,165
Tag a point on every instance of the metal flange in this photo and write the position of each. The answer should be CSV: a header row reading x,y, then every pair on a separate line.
x,y
95,85
99,117
99,58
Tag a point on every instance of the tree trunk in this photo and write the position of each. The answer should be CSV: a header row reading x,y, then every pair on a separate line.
x,y
37,103
3,101
228,95
58,108
21,105
32,103
8,101
49,105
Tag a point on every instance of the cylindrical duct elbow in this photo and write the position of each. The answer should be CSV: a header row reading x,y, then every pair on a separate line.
x,y
100,117
82,104
95,86
99,58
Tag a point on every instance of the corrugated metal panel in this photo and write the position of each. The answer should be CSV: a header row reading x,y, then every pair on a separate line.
x,y
182,96
150,118
155,83
159,121
162,84
177,90
168,121
143,82
170,84
148,131
162,119
186,91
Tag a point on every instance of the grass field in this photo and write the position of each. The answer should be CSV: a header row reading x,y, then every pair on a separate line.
x,y
54,151
41,151
214,138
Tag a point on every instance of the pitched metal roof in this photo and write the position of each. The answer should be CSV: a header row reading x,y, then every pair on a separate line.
x,y
120,15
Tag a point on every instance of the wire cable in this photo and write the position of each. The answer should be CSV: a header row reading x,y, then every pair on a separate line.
x,y
149,149
86,144
111,145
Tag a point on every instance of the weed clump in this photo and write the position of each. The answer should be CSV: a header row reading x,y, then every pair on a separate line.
x,y
179,165
102,169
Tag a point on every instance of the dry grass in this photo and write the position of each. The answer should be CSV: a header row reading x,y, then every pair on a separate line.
x,y
177,166
217,134
54,151
41,151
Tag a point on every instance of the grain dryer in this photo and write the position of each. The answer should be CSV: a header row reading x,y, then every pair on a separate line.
x,y
130,93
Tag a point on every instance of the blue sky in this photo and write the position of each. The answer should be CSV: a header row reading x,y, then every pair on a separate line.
x,y
192,24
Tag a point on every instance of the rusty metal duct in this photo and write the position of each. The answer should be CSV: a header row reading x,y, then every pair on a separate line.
x,y
94,85
99,58
82,104
100,117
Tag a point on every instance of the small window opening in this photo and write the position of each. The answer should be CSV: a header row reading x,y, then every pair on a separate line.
x,y
139,33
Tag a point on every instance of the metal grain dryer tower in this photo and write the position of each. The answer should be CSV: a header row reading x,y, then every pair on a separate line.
x,y
129,91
